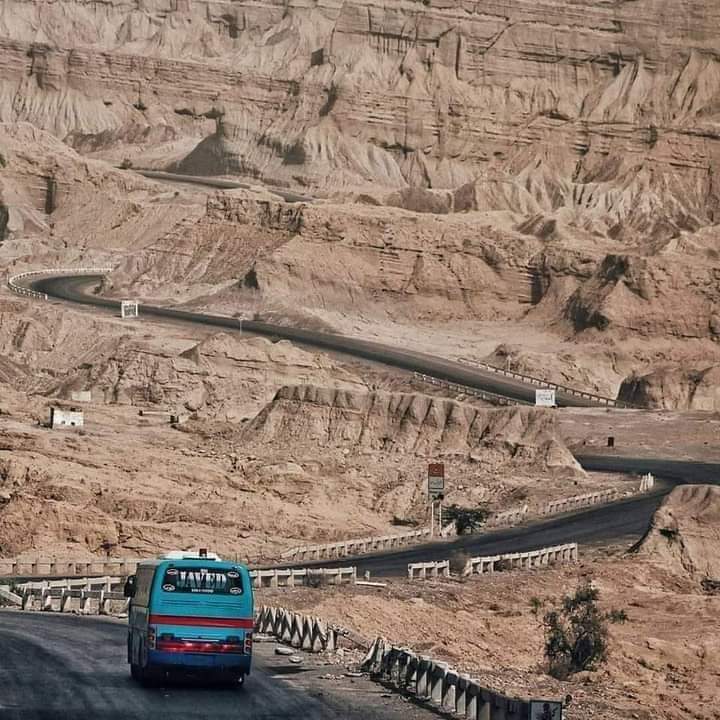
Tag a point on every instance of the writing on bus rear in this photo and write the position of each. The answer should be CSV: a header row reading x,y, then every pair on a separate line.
x,y
202,580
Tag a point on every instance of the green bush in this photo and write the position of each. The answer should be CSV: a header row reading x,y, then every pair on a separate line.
x,y
467,520
617,616
576,634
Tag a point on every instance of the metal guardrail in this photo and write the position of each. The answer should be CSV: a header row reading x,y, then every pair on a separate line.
x,y
490,397
27,292
531,380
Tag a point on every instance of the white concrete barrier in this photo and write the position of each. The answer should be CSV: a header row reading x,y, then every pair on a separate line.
x,y
525,560
358,546
289,577
578,501
94,595
300,631
508,517
54,567
436,684
647,483
421,571
7,595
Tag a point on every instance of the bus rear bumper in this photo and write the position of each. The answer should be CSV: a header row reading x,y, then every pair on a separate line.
x,y
199,661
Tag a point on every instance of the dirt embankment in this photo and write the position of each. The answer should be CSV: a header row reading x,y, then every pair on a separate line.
x,y
684,534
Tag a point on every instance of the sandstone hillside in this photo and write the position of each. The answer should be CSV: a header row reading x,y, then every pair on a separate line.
x,y
685,532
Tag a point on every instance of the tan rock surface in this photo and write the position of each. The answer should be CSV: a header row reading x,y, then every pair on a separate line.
x,y
685,532
663,662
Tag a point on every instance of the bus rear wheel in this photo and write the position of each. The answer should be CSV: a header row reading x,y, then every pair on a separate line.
x,y
146,676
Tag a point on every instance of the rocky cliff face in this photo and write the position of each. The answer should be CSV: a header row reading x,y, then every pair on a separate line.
x,y
603,111
675,388
685,532
410,425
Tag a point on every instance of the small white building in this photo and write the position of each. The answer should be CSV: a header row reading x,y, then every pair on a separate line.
x,y
60,418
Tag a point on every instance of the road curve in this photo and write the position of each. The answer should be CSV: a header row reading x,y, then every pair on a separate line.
x,y
628,518
75,289
64,666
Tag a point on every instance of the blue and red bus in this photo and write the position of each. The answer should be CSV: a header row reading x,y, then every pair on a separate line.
x,y
190,612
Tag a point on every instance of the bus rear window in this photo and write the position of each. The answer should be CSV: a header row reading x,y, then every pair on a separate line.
x,y
205,580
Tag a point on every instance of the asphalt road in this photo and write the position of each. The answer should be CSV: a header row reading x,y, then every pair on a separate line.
x,y
220,183
68,667
626,519
79,290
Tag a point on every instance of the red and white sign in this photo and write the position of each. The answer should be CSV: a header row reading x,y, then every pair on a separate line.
x,y
436,479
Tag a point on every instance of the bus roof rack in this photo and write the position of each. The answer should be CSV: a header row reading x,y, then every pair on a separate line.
x,y
201,554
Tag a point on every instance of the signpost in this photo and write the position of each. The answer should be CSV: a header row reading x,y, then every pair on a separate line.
x,y
128,309
436,491
545,397
545,710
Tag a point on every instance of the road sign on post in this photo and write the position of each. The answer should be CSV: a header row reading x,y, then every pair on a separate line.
x,y
436,480
545,397
545,710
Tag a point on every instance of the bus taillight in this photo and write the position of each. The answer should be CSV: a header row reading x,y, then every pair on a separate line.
x,y
247,648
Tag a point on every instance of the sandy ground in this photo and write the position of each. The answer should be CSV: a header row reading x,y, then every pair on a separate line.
x,y
664,662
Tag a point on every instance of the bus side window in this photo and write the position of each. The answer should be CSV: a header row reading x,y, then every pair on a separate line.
x,y
143,583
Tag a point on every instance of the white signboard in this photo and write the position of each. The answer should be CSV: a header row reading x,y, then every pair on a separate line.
x,y
545,710
436,479
128,309
81,396
65,418
545,397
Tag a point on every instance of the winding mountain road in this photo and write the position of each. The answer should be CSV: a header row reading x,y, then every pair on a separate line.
x,y
76,289
620,520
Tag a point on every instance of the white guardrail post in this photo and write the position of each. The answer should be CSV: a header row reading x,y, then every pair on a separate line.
x,y
292,577
300,631
491,563
354,547
57,595
437,684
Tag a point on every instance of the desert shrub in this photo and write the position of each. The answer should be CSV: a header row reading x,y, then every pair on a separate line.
x,y
467,520
126,164
536,604
575,634
617,616
3,161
